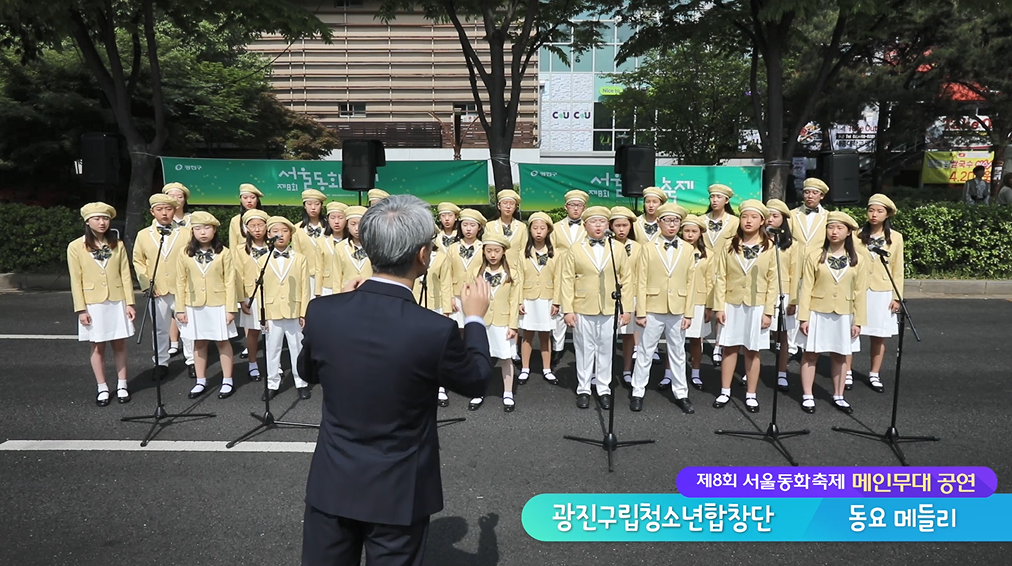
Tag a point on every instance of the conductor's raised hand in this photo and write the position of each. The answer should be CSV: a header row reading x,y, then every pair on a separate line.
x,y
475,297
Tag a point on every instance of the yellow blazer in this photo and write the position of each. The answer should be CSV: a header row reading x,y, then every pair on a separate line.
x,y
662,287
235,237
820,291
518,239
286,290
438,240
346,268
461,272
247,270
311,249
813,238
714,240
791,262
562,239
702,280
735,286
586,288
539,284
639,228
145,252
439,286
328,256
91,283
878,279
213,288
504,310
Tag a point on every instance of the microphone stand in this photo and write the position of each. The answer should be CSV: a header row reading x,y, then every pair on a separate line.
x,y
773,434
610,441
892,437
425,303
160,413
267,420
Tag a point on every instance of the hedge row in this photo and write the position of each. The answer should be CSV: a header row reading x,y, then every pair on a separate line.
x,y
942,239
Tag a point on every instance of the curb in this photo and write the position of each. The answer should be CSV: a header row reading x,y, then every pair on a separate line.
x,y
33,281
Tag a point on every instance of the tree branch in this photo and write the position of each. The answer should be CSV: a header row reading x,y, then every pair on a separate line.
x,y
157,98
829,63
465,42
757,112
522,50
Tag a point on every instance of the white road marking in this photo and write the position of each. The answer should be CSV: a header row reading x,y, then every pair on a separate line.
x,y
38,336
155,446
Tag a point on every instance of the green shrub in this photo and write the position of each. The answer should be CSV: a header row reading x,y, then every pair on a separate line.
x,y
36,238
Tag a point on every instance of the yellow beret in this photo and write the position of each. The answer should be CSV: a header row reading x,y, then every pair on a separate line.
x,y
596,211
842,218
354,212
577,195
201,218
622,212
378,194
540,216
177,187
254,213
250,189
313,194
473,215
448,207
492,238
722,189
756,205
162,198
507,194
698,221
670,208
336,207
655,192
813,183
275,220
779,206
883,201
97,209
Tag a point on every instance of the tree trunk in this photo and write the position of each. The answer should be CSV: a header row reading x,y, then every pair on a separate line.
x,y
499,148
142,168
998,164
776,168
882,152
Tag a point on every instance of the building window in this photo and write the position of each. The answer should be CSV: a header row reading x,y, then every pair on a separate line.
x,y
352,109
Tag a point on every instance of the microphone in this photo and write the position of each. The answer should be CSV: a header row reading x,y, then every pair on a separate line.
x,y
272,240
164,230
609,234
879,251
774,231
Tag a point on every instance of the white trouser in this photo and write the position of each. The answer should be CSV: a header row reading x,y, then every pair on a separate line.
x,y
559,334
669,326
592,339
277,331
162,319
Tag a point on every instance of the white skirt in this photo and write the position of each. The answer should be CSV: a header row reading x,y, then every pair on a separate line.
x,y
792,320
108,322
326,292
207,323
743,327
250,321
881,322
538,317
459,315
699,328
499,346
830,333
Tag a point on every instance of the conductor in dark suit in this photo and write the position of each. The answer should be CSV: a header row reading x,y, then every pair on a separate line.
x,y
380,359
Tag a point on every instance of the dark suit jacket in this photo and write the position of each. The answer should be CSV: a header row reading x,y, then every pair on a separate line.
x,y
380,359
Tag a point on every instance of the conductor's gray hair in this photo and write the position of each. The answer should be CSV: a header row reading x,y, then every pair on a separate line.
x,y
393,230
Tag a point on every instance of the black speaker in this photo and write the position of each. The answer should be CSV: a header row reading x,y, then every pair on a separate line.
x,y
841,170
635,163
99,159
359,160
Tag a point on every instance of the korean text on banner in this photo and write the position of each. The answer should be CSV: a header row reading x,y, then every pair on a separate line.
x,y
954,167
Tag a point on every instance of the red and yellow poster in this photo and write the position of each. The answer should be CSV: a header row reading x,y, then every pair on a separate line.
x,y
954,167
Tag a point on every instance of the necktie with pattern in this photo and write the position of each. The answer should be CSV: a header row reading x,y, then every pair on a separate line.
x,y
493,280
204,257
102,253
594,242
716,225
283,254
467,252
314,231
449,240
359,254
541,258
750,252
650,229
838,263
257,253
876,242
672,244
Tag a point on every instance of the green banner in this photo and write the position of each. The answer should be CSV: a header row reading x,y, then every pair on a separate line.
x,y
543,186
216,181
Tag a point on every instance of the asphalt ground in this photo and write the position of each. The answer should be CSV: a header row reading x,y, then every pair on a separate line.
x,y
148,507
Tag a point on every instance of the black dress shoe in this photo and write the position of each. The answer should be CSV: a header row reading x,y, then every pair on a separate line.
x,y
304,393
685,405
583,401
195,394
876,385
846,409
752,408
636,404
271,393
255,377
224,395
444,402
161,372
718,404
698,386
783,388
123,399
244,354
807,409
605,401
475,405
192,370
103,402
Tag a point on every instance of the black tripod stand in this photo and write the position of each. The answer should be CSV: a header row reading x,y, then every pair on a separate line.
x,y
610,441
773,434
160,414
267,420
892,436
424,296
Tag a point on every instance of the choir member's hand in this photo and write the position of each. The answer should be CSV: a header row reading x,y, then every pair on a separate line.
x,y
522,309
84,318
302,322
641,321
721,317
555,310
894,307
352,285
511,334
707,315
131,313
229,317
792,310
767,321
454,307
686,323
181,317
804,328
245,308
570,320
475,297
625,318
855,331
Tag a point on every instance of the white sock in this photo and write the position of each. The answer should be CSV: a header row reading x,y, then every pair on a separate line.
x,y
226,381
837,397
750,395
173,345
507,395
202,381
525,370
253,365
626,373
103,387
725,391
668,374
782,374
695,374
546,371
873,374
121,384
850,374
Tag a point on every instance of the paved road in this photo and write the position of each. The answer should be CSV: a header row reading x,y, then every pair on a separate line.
x,y
147,507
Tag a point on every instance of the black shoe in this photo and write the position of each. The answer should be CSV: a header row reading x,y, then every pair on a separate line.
x,y
124,399
583,401
194,394
508,407
752,408
244,354
698,386
605,401
304,393
192,371
231,390
103,402
636,404
160,373
271,393
806,409
256,377
474,406
846,409
444,402
685,405
783,388
876,385
718,404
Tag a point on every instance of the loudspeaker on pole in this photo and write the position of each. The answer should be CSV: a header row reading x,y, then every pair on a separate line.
x,y
841,171
635,163
359,160
100,158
